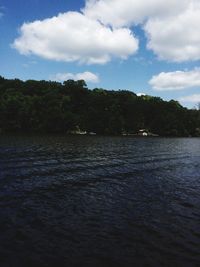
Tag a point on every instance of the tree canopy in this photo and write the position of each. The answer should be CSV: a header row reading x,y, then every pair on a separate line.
x,y
52,107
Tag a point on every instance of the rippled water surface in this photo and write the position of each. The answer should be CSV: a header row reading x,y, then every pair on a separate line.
x,y
99,201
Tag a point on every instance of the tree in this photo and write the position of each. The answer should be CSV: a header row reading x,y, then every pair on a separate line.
x,y
45,106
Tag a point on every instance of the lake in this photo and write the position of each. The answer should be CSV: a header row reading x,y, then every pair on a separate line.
x,y
99,201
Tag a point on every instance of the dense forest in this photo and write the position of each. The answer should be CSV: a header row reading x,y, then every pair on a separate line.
x,y
52,107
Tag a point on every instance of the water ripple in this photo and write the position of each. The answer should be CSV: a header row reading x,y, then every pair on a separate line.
x,y
99,201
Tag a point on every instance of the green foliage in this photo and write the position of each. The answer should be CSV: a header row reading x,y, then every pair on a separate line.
x,y
45,106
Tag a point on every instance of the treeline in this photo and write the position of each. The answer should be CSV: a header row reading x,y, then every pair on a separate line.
x,y
52,107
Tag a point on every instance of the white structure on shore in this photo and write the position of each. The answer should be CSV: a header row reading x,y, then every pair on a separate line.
x,y
143,132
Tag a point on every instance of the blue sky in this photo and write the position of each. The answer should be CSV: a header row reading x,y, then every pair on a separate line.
x,y
151,48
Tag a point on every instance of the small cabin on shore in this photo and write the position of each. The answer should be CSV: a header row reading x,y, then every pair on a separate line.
x,y
143,132
77,131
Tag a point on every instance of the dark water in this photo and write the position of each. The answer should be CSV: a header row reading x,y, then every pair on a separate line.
x,y
99,201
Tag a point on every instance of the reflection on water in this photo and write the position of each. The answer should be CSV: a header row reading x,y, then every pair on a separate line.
x,y
99,201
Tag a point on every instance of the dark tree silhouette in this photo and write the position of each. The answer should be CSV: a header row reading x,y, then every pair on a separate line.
x,y
45,106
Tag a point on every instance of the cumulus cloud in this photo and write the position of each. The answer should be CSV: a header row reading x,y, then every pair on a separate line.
x,y
178,80
127,12
86,76
190,99
73,37
171,27
176,38
103,30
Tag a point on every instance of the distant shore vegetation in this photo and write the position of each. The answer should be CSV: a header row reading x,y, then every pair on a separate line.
x,y
52,107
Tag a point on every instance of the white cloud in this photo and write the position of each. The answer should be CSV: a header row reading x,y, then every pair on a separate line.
x,y
128,12
86,76
103,31
176,38
190,99
73,37
178,80
172,26
141,94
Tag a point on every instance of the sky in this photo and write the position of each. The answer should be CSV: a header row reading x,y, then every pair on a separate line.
x,y
148,47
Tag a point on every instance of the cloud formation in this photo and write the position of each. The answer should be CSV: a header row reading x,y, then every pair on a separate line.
x,y
190,99
176,38
103,30
120,13
73,37
178,80
171,27
86,76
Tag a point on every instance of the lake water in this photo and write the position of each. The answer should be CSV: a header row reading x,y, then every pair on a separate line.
x,y
99,201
